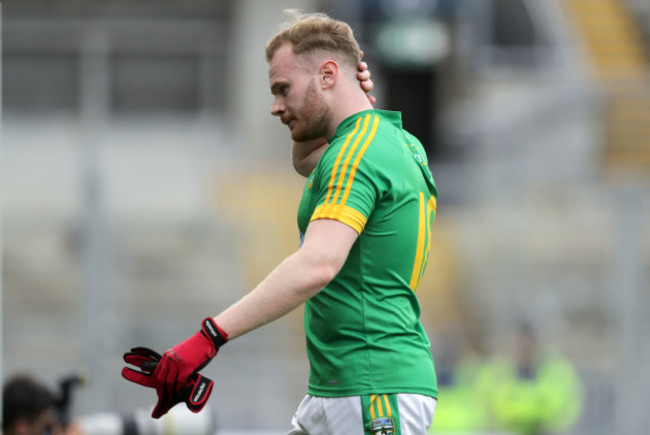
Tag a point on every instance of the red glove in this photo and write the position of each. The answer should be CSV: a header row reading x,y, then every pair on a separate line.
x,y
179,363
195,392
175,375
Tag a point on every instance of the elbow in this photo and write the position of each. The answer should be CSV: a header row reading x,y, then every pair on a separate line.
x,y
318,275
324,274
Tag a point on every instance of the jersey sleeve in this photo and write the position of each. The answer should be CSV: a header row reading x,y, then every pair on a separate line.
x,y
348,187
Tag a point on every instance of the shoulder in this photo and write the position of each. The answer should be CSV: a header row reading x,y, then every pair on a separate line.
x,y
369,139
372,134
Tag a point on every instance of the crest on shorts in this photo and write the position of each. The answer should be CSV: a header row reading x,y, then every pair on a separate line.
x,y
383,426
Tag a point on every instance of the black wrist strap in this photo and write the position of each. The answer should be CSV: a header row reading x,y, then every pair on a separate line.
x,y
210,329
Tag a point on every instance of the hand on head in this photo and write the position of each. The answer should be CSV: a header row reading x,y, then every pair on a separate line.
x,y
365,81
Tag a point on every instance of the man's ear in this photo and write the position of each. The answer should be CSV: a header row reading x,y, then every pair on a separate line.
x,y
329,71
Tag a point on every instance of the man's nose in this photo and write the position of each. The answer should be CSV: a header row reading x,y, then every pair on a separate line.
x,y
277,108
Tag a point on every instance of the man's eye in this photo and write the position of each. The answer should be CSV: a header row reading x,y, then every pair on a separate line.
x,y
284,90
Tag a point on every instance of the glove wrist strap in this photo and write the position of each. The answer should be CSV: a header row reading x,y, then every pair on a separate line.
x,y
211,330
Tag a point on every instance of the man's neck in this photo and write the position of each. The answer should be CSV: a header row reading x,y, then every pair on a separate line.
x,y
347,105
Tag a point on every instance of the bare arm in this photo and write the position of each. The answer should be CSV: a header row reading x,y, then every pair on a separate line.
x,y
298,278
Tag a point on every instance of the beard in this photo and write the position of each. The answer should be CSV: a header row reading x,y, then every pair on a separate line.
x,y
313,121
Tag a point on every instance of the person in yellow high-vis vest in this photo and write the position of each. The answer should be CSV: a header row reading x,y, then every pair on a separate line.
x,y
537,392
462,405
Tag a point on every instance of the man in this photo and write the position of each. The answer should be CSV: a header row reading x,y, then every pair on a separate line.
x,y
27,407
30,408
364,220
533,389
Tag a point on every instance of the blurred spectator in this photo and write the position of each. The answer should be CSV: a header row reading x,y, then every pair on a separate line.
x,y
536,392
461,406
30,408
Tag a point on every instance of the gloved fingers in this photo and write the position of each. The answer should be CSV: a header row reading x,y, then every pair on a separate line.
x,y
146,352
139,360
165,375
170,375
149,366
138,355
166,399
158,372
138,377
159,410
162,407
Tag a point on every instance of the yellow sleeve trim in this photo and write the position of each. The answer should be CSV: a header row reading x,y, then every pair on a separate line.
x,y
341,213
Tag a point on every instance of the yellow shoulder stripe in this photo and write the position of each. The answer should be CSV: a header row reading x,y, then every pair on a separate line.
x,y
339,156
332,208
371,136
348,157
347,215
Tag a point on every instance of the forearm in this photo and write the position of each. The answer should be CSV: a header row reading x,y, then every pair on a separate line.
x,y
289,285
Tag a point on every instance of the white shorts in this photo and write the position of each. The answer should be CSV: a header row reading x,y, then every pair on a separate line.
x,y
383,414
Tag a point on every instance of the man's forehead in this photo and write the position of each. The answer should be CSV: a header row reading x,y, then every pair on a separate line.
x,y
284,59
286,62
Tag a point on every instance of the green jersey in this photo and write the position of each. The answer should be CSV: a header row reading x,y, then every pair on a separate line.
x,y
363,330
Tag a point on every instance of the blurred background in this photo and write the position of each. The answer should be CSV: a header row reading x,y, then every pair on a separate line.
x,y
145,186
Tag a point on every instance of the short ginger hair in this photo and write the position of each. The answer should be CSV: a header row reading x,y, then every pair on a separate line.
x,y
312,33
